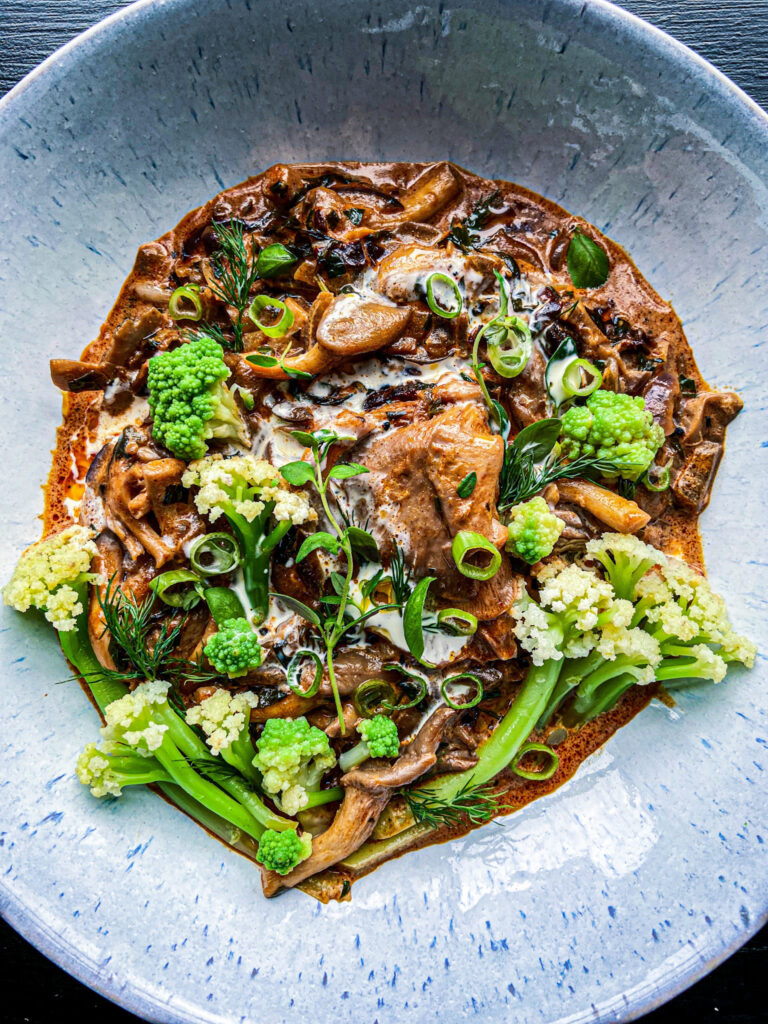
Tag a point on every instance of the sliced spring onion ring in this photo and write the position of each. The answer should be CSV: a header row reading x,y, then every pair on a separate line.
x,y
465,543
447,313
374,696
457,622
224,604
187,293
536,748
293,673
214,554
275,330
573,377
509,344
456,679
564,354
423,688
171,587
662,481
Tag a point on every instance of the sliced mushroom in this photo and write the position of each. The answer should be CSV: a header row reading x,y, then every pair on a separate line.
x,y
352,326
619,513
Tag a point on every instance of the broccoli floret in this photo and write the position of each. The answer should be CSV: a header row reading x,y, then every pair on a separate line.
x,y
249,492
612,426
533,530
189,401
292,756
107,772
53,575
282,851
380,739
625,560
234,650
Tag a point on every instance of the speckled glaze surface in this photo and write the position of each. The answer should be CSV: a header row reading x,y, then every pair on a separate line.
x,y
593,904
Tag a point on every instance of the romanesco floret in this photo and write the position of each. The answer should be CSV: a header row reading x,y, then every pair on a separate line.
x,y
612,426
51,575
223,716
282,851
625,559
533,530
292,756
189,402
234,650
380,736
129,719
245,485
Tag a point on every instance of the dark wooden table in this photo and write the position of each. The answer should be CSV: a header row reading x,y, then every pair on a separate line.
x,y
731,34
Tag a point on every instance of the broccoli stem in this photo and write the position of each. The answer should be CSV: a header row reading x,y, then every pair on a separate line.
x,y
592,684
601,699
257,550
572,672
354,756
509,735
323,796
219,826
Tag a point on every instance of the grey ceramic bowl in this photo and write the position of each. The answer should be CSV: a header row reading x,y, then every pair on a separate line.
x,y
593,904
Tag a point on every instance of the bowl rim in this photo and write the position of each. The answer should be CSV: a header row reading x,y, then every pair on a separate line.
x,y
140,1000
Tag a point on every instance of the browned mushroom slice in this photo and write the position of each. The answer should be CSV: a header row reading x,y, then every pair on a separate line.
x,y
352,326
76,376
693,483
422,200
354,822
619,513
708,414
660,397
401,275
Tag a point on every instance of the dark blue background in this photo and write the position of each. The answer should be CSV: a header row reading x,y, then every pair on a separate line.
x,y
730,33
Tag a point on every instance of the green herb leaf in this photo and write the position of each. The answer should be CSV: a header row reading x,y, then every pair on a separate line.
x,y
345,470
257,359
363,543
687,385
274,260
299,607
587,262
305,438
338,582
538,439
297,473
354,214
318,540
413,619
467,485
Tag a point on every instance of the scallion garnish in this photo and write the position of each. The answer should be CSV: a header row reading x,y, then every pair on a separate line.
x,y
177,308
465,545
662,481
178,588
510,344
274,330
416,678
541,775
293,673
373,697
456,621
580,378
214,554
452,680
444,281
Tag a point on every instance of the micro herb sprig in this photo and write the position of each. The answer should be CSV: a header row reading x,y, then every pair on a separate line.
x,y
343,541
236,271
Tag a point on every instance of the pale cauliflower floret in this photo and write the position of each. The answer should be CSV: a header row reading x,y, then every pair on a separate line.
x,y
93,769
637,645
739,648
222,717
715,667
42,576
128,720
665,611
244,484
626,544
581,594
535,633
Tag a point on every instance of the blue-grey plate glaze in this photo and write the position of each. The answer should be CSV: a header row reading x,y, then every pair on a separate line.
x,y
593,904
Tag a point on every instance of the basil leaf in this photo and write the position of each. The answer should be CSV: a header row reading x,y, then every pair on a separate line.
x,y
538,439
467,485
587,262
363,543
354,214
298,607
345,470
321,539
297,473
413,619
259,360
273,260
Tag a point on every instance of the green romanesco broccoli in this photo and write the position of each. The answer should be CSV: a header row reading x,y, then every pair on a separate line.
x,y
292,756
379,739
250,493
282,851
235,649
533,530
53,575
612,426
189,402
